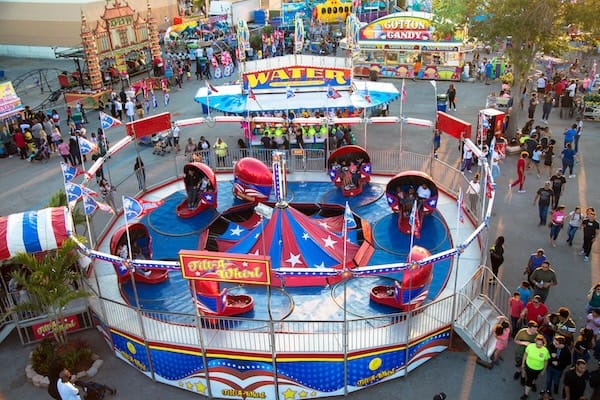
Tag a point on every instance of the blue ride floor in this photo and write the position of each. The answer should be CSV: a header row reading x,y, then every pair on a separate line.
x,y
171,234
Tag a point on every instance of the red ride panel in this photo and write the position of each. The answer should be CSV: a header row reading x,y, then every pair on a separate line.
x,y
149,125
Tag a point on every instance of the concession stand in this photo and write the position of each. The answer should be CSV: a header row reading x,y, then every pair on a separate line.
x,y
405,45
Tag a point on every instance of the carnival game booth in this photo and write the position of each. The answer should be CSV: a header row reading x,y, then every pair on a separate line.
x,y
296,85
405,45
412,195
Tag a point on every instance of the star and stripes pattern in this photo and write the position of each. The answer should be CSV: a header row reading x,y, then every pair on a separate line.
x,y
107,122
70,172
293,240
134,208
332,93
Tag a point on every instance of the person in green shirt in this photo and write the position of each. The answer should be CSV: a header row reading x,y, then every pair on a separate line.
x,y
535,361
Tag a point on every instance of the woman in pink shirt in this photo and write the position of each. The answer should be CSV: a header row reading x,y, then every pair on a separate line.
x,y
558,220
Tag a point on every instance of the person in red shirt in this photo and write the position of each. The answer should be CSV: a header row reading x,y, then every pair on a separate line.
x,y
516,308
521,162
559,88
535,310
21,144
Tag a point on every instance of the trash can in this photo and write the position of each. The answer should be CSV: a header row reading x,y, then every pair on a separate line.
x,y
442,100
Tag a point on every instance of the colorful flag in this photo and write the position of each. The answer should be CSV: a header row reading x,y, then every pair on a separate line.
x,y
87,147
107,122
403,92
70,172
135,208
289,92
251,95
154,101
349,220
460,204
415,221
90,205
332,93
210,88
74,192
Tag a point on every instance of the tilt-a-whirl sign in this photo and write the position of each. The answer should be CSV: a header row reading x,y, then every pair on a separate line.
x,y
225,267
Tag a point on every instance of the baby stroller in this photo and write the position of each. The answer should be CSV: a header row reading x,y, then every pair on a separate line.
x,y
161,147
94,390
162,144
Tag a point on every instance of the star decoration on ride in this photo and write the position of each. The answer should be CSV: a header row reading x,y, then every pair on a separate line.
x,y
329,242
237,231
294,259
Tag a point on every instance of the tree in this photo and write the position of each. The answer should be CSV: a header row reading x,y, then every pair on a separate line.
x,y
50,281
532,25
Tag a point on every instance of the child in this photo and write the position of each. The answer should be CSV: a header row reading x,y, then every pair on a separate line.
x,y
516,306
525,292
536,157
502,332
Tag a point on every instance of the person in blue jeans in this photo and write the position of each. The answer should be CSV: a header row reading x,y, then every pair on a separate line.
x,y
560,358
574,219
544,197
568,159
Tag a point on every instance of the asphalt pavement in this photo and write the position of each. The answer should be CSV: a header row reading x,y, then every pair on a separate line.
x,y
28,186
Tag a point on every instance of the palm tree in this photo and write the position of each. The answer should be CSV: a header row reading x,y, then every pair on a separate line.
x,y
50,284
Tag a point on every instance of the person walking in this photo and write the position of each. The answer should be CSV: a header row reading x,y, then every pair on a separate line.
x,y
568,159
574,223
543,197
497,257
558,187
590,230
467,159
557,223
546,108
576,379
523,338
543,278
140,173
533,102
130,110
521,162
560,359
579,122
548,158
535,362
451,93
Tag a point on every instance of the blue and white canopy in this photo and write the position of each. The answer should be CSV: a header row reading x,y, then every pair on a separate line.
x,y
230,99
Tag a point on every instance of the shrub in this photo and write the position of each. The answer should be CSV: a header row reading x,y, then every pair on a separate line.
x,y
75,355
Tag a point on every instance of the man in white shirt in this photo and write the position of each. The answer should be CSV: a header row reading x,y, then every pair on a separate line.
x,y
541,84
176,131
130,110
423,191
66,389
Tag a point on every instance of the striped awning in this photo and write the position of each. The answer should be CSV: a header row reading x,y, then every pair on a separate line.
x,y
33,231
